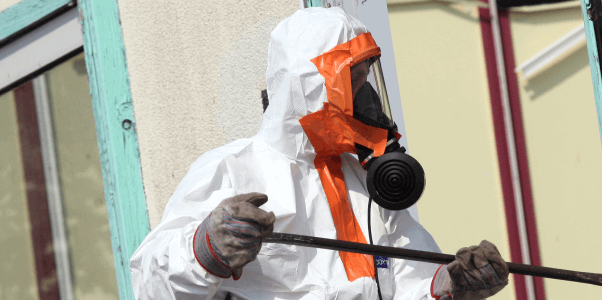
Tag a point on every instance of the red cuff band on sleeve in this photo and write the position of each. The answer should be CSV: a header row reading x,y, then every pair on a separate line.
x,y
433,282
206,254
194,250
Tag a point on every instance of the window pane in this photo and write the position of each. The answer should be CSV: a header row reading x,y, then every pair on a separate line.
x,y
17,273
85,212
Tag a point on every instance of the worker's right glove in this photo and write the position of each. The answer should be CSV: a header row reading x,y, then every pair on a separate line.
x,y
477,273
230,237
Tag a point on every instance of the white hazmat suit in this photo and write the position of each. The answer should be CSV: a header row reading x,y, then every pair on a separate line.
x,y
279,162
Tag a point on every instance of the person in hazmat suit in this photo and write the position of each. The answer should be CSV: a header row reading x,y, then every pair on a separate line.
x,y
324,124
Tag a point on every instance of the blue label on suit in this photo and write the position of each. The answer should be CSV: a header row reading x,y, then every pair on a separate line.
x,y
381,261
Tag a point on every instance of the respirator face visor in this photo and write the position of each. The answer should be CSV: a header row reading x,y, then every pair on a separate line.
x,y
370,100
395,180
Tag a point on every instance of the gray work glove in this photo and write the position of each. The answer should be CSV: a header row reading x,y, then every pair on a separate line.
x,y
230,237
477,273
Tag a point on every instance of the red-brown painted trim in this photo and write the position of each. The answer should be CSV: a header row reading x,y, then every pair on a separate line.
x,y
502,149
521,150
37,202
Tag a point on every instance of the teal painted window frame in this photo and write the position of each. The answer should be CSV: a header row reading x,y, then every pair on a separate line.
x,y
594,64
114,116
22,15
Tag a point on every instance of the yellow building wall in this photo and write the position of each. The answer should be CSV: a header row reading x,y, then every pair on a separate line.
x,y
17,268
445,98
563,148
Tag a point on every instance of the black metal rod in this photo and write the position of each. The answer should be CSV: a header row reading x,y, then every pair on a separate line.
x,y
425,256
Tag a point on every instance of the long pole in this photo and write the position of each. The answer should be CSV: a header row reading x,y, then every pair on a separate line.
x,y
425,256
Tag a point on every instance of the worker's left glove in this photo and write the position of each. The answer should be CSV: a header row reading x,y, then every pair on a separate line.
x,y
477,273
231,236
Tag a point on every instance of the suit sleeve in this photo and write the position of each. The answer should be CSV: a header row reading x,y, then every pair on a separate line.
x,y
165,266
412,278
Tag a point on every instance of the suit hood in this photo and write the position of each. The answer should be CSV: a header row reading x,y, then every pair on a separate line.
x,y
295,87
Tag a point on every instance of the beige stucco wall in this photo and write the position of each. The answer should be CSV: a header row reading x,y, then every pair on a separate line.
x,y
196,72
563,147
445,98
4,4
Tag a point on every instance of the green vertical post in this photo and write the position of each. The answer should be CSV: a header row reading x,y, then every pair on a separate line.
x,y
594,60
314,3
116,133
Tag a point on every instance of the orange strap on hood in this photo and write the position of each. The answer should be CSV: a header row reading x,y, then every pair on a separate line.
x,y
335,66
333,131
356,265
